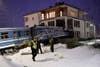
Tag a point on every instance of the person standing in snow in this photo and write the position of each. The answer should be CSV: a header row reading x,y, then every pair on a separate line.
x,y
33,44
39,46
51,42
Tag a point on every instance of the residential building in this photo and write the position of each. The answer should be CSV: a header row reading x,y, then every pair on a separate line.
x,y
71,18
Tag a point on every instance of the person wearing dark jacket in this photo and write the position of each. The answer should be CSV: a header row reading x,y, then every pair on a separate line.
x,y
51,42
39,47
33,44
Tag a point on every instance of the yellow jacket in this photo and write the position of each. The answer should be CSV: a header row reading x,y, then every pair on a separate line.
x,y
33,44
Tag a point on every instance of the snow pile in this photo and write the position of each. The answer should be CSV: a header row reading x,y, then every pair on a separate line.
x,y
26,50
59,45
7,63
84,56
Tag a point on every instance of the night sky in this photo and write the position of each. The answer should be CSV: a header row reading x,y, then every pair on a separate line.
x,y
12,11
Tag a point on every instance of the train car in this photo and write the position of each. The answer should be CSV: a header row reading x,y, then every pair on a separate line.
x,y
45,32
10,37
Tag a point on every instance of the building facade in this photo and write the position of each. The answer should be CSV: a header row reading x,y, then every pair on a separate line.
x,y
71,18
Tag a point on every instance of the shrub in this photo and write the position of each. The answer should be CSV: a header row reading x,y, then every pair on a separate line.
x,y
96,45
70,43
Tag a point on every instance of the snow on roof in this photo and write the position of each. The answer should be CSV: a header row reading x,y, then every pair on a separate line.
x,y
10,29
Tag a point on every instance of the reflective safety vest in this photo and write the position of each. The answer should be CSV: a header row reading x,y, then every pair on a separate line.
x,y
50,41
34,44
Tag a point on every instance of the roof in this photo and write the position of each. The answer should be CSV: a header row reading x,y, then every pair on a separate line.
x,y
33,12
54,7
66,4
11,29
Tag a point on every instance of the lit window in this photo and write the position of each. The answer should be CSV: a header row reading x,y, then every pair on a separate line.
x,y
47,15
52,14
60,13
42,16
73,13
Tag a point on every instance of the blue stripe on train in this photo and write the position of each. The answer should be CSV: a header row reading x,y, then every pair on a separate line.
x,y
17,42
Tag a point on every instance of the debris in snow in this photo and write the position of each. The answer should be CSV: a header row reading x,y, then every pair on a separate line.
x,y
58,56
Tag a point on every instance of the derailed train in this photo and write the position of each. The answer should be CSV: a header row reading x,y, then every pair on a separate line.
x,y
10,37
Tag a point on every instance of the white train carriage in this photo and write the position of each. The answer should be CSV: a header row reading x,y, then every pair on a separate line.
x,y
9,37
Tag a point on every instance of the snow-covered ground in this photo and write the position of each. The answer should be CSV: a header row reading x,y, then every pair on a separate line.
x,y
4,62
83,56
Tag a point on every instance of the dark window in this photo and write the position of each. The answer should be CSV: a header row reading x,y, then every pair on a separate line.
x,y
33,18
91,28
87,34
15,34
42,24
27,26
60,22
26,19
51,23
76,23
77,34
19,33
70,23
27,33
4,35
87,25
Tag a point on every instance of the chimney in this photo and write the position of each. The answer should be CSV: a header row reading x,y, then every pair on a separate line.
x,y
59,3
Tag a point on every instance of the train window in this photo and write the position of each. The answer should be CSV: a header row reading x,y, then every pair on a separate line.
x,y
15,34
4,35
27,33
19,33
